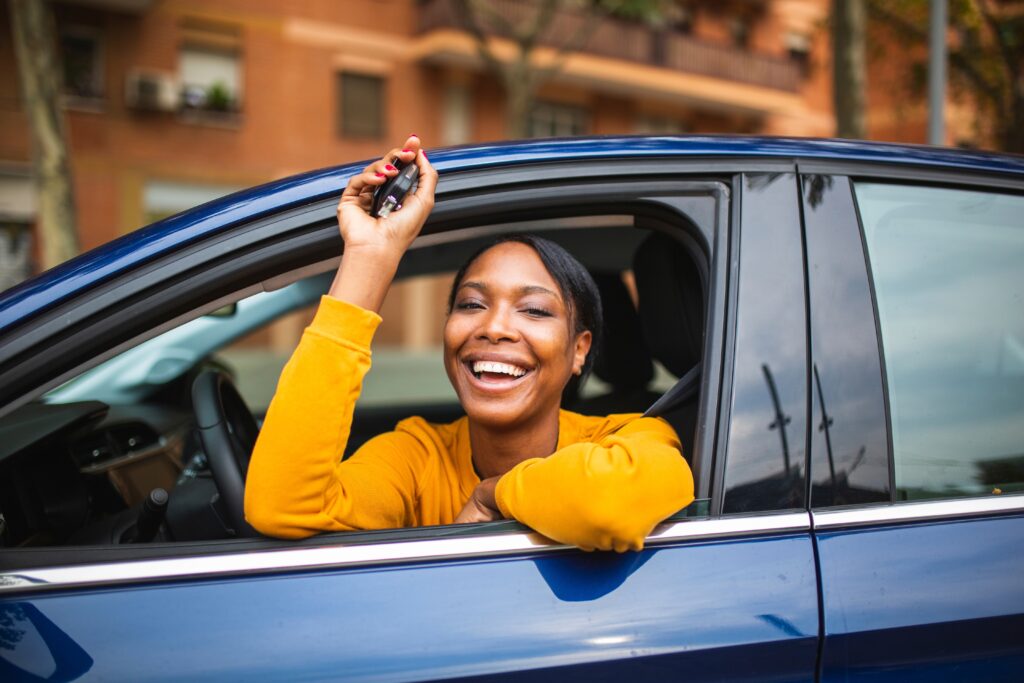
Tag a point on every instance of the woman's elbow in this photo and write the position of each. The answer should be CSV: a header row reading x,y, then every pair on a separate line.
x,y
269,522
625,513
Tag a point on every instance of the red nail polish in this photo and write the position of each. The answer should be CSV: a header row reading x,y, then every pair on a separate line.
x,y
390,167
413,135
406,150
380,175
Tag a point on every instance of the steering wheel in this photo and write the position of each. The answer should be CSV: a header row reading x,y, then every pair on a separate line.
x,y
227,431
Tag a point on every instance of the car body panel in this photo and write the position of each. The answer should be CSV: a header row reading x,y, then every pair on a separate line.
x,y
940,600
692,610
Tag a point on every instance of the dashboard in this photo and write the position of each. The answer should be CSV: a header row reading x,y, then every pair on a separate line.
x,y
76,472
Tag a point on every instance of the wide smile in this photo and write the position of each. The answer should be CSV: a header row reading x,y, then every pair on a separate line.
x,y
493,375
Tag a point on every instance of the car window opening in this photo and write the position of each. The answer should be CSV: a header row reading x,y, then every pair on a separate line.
x,y
123,428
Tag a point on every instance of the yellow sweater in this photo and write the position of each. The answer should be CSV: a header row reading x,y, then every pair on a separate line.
x,y
610,481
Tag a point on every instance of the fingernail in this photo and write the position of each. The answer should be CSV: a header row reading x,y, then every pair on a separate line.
x,y
413,135
390,167
380,175
406,150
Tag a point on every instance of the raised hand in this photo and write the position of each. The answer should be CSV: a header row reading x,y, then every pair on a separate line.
x,y
374,246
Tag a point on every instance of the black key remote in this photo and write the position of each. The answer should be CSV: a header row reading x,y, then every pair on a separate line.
x,y
389,196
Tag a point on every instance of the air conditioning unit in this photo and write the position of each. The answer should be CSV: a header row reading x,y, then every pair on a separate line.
x,y
152,91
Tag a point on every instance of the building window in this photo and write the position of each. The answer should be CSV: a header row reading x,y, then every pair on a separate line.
x,y
659,125
81,63
798,46
15,252
360,105
557,120
739,31
210,78
161,198
457,125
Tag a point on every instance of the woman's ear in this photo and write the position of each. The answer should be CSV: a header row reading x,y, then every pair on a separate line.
x,y
583,341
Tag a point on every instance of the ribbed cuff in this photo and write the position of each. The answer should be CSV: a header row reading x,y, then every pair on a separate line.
x,y
345,323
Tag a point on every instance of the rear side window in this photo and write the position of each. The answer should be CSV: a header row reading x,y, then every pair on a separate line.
x,y
948,270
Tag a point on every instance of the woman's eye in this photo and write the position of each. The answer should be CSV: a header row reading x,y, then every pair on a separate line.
x,y
468,305
537,312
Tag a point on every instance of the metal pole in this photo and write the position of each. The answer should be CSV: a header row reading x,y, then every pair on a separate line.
x,y
937,73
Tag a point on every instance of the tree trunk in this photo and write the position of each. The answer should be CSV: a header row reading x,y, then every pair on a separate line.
x,y
848,67
34,32
519,97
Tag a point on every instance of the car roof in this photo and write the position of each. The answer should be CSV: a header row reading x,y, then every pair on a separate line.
x,y
128,252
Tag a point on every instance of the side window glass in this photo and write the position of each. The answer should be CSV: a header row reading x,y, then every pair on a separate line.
x,y
949,287
407,365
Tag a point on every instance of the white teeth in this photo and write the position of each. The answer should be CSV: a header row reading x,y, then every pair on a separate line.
x,y
504,368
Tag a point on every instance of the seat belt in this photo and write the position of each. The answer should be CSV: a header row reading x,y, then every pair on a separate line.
x,y
685,387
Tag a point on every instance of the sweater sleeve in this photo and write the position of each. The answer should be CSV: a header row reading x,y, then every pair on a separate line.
x,y
603,495
296,484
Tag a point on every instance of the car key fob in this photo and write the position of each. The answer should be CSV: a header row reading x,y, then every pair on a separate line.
x,y
391,194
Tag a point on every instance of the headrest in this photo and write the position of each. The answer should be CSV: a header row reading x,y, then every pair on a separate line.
x,y
623,360
671,302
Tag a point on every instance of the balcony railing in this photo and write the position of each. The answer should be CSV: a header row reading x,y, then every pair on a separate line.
x,y
633,42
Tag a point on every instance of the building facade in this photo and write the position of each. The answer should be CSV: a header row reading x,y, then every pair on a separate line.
x,y
173,102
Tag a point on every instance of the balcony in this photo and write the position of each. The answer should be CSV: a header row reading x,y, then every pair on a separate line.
x,y
639,44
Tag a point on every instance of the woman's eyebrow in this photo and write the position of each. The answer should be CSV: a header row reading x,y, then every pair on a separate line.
x,y
521,291
473,284
536,289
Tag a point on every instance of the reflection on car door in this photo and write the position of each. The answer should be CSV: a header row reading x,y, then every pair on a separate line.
x,y
910,590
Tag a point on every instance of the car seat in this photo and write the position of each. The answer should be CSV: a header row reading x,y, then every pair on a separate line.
x,y
623,360
671,312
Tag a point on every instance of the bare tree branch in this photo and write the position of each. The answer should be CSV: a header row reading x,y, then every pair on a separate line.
x,y
467,11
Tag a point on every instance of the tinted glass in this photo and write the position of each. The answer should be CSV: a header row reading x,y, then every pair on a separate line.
x,y
768,416
849,444
948,268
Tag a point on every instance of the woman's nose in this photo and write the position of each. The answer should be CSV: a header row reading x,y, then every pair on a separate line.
x,y
497,325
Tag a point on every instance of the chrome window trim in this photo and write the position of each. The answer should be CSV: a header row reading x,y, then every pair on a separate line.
x,y
382,554
913,512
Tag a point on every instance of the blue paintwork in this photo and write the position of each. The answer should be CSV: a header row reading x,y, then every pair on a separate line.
x,y
740,610
128,252
925,602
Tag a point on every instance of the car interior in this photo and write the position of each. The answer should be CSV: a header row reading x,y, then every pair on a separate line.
x,y
116,457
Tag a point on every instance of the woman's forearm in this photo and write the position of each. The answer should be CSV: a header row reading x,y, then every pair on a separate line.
x,y
364,276
604,496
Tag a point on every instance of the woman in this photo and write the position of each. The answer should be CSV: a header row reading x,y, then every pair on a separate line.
x,y
522,319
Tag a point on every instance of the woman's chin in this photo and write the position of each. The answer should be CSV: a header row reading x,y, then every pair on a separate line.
x,y
502,415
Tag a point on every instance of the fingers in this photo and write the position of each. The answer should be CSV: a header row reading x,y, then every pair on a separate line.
x,y
379,171
427,182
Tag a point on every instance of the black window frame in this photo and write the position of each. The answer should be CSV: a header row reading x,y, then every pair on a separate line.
x,y
912,175
201,276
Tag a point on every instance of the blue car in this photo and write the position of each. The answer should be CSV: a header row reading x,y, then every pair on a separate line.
x,y
835,330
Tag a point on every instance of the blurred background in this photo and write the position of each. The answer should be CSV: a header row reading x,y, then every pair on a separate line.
x,y
148,107
116,113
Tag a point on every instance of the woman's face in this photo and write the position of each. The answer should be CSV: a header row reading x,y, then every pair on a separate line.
x,y
509,346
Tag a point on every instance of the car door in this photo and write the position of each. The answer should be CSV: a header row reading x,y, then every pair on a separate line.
x,y
918,424
725,591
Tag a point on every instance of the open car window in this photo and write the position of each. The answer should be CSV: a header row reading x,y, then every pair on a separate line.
x,y
104,440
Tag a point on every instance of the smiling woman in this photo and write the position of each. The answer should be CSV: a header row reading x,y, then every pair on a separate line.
x,y
523,320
